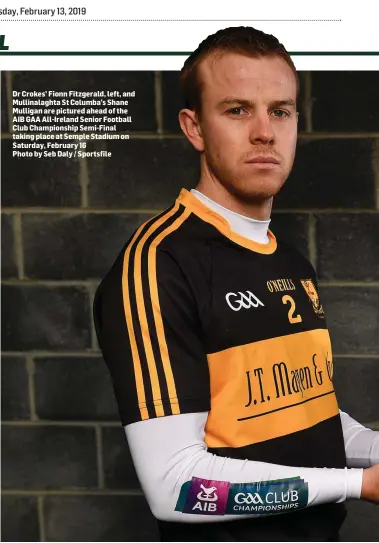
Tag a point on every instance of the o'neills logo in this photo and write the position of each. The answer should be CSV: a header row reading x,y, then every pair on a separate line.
x,y
280,285
310,289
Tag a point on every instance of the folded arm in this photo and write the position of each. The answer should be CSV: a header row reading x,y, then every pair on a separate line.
x,y
169,451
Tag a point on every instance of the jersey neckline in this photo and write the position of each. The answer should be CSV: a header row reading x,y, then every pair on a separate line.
x,y
210,216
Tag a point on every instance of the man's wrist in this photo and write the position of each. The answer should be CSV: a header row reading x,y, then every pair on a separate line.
x,y
354,481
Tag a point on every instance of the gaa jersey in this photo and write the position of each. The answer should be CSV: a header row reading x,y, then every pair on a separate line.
x,y
194,317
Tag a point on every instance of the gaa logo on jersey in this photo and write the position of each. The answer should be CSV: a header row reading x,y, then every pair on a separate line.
x,y
242,300
310,289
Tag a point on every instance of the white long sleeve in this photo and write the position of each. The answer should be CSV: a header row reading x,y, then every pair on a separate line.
x,y
169,451
361,443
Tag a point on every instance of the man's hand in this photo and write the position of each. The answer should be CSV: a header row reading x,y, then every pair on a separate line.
x,y
370,484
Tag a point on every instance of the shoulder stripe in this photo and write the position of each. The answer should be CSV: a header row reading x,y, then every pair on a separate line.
x,y
157,311
128,313
144,326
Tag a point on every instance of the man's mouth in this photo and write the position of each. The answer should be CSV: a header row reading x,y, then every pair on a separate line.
x,y
263,160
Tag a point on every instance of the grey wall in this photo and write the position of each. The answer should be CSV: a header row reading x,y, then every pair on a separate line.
x,y
66,471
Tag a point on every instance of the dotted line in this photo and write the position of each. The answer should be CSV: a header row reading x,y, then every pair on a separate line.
x,y
175,20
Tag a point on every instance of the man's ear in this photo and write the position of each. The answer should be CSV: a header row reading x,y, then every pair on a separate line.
x,y
190,126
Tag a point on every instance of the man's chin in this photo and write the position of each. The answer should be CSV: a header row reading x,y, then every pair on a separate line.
x,y
258,192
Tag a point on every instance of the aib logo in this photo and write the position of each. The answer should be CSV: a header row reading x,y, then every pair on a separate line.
x,y
203,496
207,494
241,300
3,47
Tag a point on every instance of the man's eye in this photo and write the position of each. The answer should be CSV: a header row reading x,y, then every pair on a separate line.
x,y
236,111
280,113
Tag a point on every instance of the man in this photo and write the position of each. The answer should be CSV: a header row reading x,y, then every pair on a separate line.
x,y
215,335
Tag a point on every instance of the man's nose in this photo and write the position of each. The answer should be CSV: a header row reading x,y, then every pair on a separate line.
x,y
261,128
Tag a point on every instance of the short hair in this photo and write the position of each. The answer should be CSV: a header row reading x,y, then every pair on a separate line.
x,y
240,39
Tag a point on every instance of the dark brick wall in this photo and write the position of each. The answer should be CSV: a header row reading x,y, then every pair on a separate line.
x,y
66,470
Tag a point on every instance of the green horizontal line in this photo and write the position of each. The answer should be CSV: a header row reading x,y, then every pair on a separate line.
x,y
94,53
173,53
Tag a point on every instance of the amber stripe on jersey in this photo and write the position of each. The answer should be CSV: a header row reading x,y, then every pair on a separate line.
x,y
270,388
165,357
128,313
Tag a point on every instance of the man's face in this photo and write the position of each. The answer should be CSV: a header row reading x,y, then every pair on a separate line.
x,y
248,122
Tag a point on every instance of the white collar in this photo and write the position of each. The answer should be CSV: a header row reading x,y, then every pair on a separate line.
x,y
245,226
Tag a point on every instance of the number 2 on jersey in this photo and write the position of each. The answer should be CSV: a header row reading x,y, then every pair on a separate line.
x,y
291,317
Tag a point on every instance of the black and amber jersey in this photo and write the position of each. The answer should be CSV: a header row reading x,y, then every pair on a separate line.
x,y
193,317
